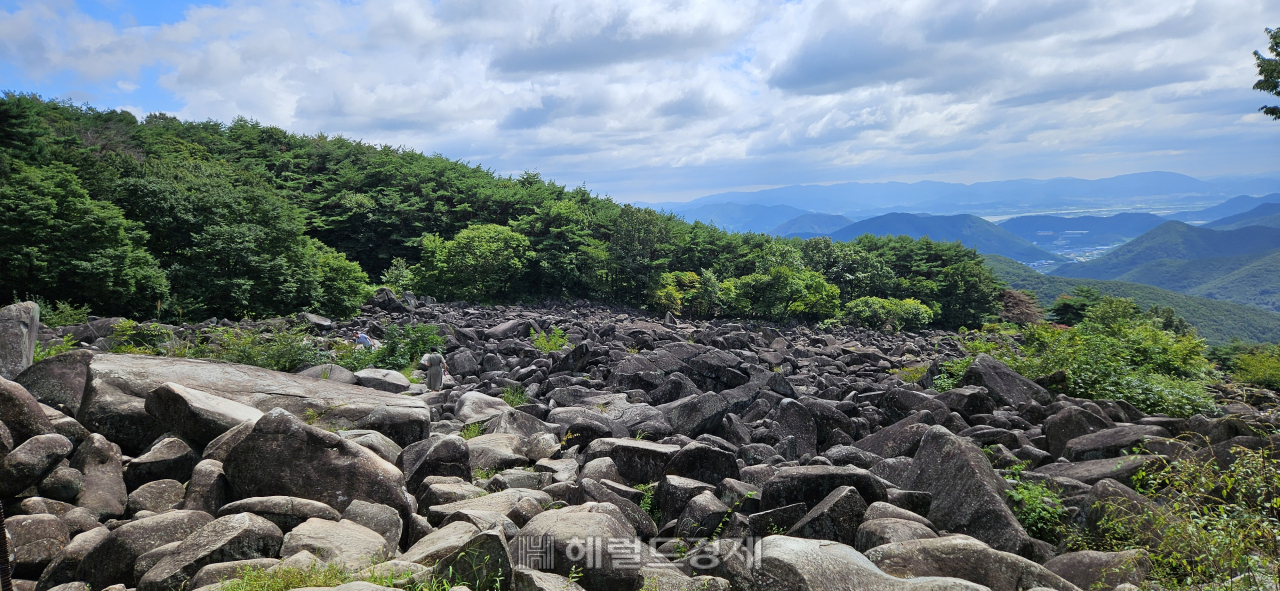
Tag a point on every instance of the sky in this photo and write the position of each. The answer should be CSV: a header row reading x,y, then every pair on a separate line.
x,y
646,100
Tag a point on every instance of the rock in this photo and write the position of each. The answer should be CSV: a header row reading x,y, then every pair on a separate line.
x,y
1110,443
888,530
1069,423
440,543
19,410
169,458
704,463
1090,569
527,579
63,568
112,560
196,416
149,560
899,439
1005,386
242,536
282,456
62,484
968,496
640,462
551,538
835,518
157,497
375,442
1122,469
509,329
207,491
212,574
811,484
103,491
385,380
968,401
19,327
379,518
344,542
37,541
695,415
674,492
59,381
475,407
483,562
702,517
890,511
462,363
438,455
503,502
965,558
28,463
316,322
331,372
286,512
496,452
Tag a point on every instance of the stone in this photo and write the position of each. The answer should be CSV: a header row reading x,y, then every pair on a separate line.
x,y
62,484
343,542
899,439
379,518
438,455
1067,424
103,491
375,442
483,562
112,560
888,530
1122,469
966,558
149,560
1110,443
572,527
207,491
19,327
385,380
242,536
1090,569
703,463
695,415
20,411
889,511
212,574
28,463
498,451
639,462
331,372
527,579
282,456
440,543
835,518
968,495
674,492
63,568
811,484
503,502
286,512
36,541
462,363
475,407
169,458
59,381
1005,386
157,497
198,417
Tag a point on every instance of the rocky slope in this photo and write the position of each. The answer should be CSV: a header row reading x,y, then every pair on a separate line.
x,y
766,458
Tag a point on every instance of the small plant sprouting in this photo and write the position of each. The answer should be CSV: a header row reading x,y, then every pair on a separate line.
x,y
483,473
549,342
515,396
471,430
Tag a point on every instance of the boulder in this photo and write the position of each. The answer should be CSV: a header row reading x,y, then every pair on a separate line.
x,y
62,484
1067,424
899,439
968,495
440,543
1122,469
157,497
1110,443
811,484
112,560
196,416
373,441
963,557
286,512
28,463
379,518
36,541
207,491
482,563
502,502
63,568
704,463
243,536
476,407
1089,569
888,530
59,381
21,413
385,380
558,541
103,491
640,462
346,543
19,327
168,458
695,415
835,518
283,456
527,579
213,574
438,455
331,372
1005,386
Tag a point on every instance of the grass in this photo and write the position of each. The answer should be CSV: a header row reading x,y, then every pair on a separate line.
x,y
515,395
471,430
549,342
484,473
333,575
650,491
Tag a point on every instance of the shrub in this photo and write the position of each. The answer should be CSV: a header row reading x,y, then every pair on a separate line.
x,y
128,336
283,350
1260,369
471,431
515,395
888,314
61,313
549,342
403,346
1038,508
68,343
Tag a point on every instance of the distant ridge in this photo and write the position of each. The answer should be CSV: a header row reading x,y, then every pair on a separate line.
x,y
1044,230
814,224
1232,206
737,217
970,230
1267,214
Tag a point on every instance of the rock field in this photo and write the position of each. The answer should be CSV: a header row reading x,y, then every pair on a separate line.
x,y
766,458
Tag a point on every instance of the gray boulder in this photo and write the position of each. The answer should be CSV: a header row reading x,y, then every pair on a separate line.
x,y
157,497
331,372
207,491
21,413
1004,385
28,463
1090,569
19,327
1067,424
965,558
103,491
112,560
286,512
36,541
379,518
440,543
59,381
199,417
1110,443
168,458
888,530
835,518
243,536
567,532
385,380
346,543
63,568
482,563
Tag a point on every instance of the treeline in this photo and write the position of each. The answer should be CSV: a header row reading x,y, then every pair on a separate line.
x,y
183,220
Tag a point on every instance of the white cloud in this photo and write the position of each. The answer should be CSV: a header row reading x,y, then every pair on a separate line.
x,y
712,94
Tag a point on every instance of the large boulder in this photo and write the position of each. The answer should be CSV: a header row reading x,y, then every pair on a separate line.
x,y
968,495
63,568
112,560
1110,443
243,536
965,558
197,416
1004,385
475,407
103,490
639,461
59,381
571,541
29,462
1123,469
346,543
286,512
21,413
385,380
19,327
1067,424
835,518
37,541
1090,569
283,456
811,484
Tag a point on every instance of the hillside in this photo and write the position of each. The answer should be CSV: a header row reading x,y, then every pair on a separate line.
x,y
1267,214
970,230
1088,230
736,217
1216,321
1177,241
811,224
1232,206
1256,284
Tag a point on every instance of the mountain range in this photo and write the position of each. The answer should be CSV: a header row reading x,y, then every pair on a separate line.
x,y
1267,214
1232,206
1048,231
970,230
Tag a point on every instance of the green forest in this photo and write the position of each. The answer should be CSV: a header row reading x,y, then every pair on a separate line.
x,y
179,220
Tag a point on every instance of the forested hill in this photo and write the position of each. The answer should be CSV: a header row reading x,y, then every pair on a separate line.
x,y
182,220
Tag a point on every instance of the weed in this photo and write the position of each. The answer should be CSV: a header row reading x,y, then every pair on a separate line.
x,y
61,313
471,430
647,501
549,342
575,573
68,343
1038,509
776,530
128,336
284,579
408,374
910,375
727,516
515,395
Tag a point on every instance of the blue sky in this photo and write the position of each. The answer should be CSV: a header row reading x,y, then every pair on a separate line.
x,y
655,101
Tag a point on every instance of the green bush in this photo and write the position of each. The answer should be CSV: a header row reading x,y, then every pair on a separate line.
x,y
42,352
1038,508
515,395
1261,368
549,342
404,346
61,313
282,350
888,314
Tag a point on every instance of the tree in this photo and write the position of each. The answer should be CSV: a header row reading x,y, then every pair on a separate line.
x,y
1019,307
1269,70
481,264
1070,309
888,314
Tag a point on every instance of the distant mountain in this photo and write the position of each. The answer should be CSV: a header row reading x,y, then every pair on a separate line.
x,y
1241,265
860,200
1232,206
1267,214
1048,231
1217,321
811,224
737,217
970,230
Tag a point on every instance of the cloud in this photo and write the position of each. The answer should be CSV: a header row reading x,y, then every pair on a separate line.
x,y
654,100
